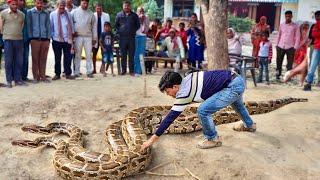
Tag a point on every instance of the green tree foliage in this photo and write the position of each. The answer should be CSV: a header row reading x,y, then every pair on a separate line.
x,y
153,10
240,24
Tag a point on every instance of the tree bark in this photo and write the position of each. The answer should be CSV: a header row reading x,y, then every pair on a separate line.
x,y
215,16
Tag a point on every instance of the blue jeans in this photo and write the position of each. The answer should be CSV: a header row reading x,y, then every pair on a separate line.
x,y
13,56
140,49
231,95
25,62
263,67
315,61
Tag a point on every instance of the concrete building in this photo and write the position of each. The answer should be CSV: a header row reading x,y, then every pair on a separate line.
x,y
303,10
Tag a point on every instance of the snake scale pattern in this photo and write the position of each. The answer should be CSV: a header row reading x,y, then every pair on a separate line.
x,y
124,139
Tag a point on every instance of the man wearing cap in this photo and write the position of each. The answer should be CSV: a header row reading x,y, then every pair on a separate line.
x,y
216,90
11,25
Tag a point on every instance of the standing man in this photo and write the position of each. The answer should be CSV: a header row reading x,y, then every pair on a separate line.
x,y
315,60
11,25
25,64
39,34
100,17
127,23
61,33
287,43
85,36
70,6
141,40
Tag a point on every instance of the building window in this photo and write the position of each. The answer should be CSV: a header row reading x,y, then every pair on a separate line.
x,y
182,8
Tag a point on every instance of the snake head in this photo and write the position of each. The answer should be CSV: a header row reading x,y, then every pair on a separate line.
x,y
25,143
35,129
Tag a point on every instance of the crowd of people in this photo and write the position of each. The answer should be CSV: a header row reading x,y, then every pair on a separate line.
x,y
72,30
293,41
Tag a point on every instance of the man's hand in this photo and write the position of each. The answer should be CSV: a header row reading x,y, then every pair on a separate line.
x,y
94,42
149,142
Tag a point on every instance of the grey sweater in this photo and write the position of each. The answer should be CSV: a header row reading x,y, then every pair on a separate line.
x,y
84,23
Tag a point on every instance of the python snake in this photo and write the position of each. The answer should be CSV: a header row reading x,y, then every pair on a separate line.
x,y
125,137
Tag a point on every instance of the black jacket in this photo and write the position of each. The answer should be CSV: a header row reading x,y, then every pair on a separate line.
x,y
127,26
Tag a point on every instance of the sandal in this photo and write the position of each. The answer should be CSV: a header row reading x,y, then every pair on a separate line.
x,y
206,144
242,127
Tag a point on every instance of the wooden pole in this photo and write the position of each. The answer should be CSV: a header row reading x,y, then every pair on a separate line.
x,y
144,75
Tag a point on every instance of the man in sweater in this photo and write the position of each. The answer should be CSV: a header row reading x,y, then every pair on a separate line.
x,y
38,21
287,42
100,17
315,60
127,23
85,36
11,24
216,90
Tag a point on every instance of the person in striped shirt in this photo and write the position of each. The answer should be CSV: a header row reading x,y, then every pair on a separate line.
x,y
216,90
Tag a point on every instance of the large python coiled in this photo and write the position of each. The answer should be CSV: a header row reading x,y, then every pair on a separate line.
x,y
125,137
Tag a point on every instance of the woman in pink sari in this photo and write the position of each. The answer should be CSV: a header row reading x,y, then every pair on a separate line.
x,y
300,57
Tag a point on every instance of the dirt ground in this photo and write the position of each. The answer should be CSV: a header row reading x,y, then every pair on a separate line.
x,y
285,146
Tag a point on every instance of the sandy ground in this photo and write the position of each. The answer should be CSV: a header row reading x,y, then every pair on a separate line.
x,y
285,146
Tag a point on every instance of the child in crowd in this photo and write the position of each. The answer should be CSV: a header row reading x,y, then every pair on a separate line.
x,y
182,33
264,56
106,43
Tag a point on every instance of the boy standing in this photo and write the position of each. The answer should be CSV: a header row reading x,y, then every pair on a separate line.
x,y
264,56
106,43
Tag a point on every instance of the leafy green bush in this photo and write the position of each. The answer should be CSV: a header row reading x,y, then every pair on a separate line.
x,y
240,24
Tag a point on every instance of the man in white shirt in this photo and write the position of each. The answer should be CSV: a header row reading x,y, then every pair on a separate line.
x,y
100,17
85,36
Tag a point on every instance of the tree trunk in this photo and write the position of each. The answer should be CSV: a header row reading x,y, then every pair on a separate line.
x,y
215,18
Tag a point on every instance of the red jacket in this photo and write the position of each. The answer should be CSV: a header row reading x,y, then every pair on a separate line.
x,y
316,35
183,35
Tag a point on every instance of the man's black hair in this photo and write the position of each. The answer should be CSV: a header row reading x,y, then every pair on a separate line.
x,y
317,13
169,79
126,2
107,24
169,20
194,14
288,12
182,23
265,33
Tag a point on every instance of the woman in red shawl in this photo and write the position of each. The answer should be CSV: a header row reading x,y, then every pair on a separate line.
x,y
300,57
256,31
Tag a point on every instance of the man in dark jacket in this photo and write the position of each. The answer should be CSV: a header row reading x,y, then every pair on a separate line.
x,y
127,23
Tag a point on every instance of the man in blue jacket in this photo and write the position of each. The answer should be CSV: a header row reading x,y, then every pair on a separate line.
x,y
216,90
127,24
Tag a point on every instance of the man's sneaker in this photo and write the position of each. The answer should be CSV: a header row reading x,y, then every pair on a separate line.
x,y
242,127
206,143
307,87
90,75
70,77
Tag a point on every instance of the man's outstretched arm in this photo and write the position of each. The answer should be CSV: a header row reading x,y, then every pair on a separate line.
x,y
162,128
